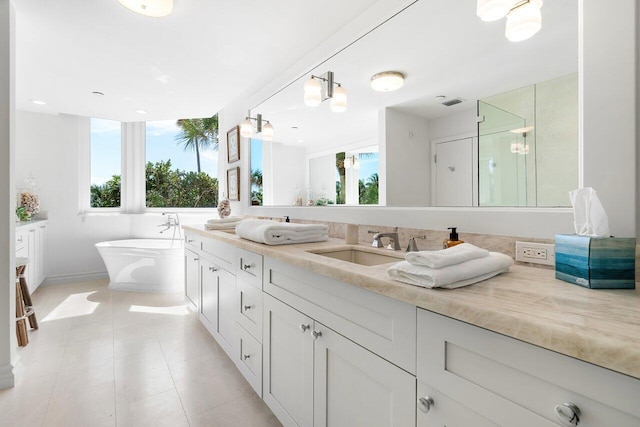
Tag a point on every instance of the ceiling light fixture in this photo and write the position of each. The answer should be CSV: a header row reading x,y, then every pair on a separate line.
x,y
524,18
387,81
151,8
38,102
263,127
320,88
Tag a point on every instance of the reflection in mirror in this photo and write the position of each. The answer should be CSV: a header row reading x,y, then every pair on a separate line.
x,y
256,172
432,150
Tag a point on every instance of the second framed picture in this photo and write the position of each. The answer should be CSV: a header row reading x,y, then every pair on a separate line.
x,y
233,145
233,184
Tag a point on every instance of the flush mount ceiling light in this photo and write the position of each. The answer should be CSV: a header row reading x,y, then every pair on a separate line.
x,y
524,18
387,81
321,88
263,127
152,8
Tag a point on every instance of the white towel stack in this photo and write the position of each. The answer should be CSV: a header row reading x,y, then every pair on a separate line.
x,y
281,233
461,265
228,223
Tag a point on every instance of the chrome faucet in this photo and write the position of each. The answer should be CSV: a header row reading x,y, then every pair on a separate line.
x,y
377,242
173,221
412,246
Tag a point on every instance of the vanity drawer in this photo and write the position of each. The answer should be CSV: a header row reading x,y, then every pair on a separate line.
x,y
515,383
192,241
249,358
21,244
385,326
249,267
222,253
250,308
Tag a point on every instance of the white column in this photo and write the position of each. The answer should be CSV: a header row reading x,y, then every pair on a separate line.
x,y
7,194
133,136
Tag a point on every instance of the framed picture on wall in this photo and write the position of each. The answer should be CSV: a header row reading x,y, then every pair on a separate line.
x,y
233,145
233,183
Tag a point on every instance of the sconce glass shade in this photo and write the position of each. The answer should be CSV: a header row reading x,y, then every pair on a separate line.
x,y
515,147
347,162
312,92
387,81
339,100
152,8
492,10
267,132
524,21
246,128
523,149
356,162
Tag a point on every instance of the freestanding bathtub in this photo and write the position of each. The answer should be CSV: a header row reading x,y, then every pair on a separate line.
x,y
144,265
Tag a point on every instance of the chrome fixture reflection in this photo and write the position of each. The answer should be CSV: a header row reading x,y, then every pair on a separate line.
x,y
524,18
387,81
152,8
321,88
352,162
263,127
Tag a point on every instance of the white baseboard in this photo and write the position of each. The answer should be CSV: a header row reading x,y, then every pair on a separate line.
x,y
74,278
7,379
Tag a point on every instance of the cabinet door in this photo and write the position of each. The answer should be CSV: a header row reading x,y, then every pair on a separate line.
x,y
209,289
192,277
33,260
288,363
41,241
354,387
226,327
439,410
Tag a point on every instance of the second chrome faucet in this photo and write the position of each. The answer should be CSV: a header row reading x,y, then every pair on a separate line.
x,y
377,239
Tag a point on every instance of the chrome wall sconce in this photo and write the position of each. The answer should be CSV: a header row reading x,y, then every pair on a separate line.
x,y
320,88
263,127
524,18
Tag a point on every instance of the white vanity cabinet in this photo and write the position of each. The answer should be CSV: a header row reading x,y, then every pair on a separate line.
x,y
513,383
314,376
31,243
192,278
218,288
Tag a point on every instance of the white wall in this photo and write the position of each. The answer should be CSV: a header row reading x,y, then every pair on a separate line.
x,y
408,168
284,169
7,194
456,124
322,176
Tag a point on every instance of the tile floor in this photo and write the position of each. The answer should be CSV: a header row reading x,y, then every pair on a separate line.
x,y
105,358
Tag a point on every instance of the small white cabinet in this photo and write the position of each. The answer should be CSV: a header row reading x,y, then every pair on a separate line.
x,y
31,243
192,278
314,376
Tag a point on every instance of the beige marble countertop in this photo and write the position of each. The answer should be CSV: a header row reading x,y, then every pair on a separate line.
x,y
597,326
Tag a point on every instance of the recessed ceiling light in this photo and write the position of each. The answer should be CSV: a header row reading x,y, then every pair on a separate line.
x,y
152,8
95,92
441,96
142,112
387,81
38,102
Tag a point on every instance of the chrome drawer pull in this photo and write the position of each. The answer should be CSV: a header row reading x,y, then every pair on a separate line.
x,y
246,266
247,307
303,327
316,334
246,356
425,404
190,240
568,414
213,269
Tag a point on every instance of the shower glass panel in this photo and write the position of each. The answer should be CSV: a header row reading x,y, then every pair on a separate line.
x,y
502,157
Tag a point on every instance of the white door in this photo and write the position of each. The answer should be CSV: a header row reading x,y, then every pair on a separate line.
x,y
226,310
41,239
209,289
192,277
288,363
436,409
454,173
356,388
33,261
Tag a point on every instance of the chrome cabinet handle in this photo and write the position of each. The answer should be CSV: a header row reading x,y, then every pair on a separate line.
x,y
20,239
32,231
247,307
425,404
568,414
316,334
190,240
196,259
246,356
304,327
213,269
246,266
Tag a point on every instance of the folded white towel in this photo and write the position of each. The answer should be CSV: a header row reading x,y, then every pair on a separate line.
x,y
450,256
453,276
227,220
281,233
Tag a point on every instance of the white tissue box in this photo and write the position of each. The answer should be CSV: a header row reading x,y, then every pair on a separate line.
x,y
596,262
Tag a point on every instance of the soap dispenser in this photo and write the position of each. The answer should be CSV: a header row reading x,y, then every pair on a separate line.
x,y
452,240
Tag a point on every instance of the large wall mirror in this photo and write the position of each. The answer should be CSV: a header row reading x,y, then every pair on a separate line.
x,y
480,120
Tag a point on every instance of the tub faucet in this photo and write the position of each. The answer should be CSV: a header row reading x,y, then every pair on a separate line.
x,y
173,221
377,242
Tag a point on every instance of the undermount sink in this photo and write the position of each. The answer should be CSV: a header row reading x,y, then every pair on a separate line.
x,y
360,256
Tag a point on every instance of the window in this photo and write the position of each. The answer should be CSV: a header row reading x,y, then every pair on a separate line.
x,y
256,172
105,164
357,177
182,163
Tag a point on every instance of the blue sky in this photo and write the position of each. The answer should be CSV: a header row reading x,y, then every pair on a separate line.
x,y
161,144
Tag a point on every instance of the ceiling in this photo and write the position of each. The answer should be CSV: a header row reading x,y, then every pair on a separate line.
x,y
189,64
443,48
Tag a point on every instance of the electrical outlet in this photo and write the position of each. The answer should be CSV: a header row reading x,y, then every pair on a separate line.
x,y
536,253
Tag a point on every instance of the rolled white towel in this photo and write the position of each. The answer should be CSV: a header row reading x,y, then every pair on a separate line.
x,y
227,220
450,256
452,276
280,233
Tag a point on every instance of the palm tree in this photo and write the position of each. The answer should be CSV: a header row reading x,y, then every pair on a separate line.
x,y
198,134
